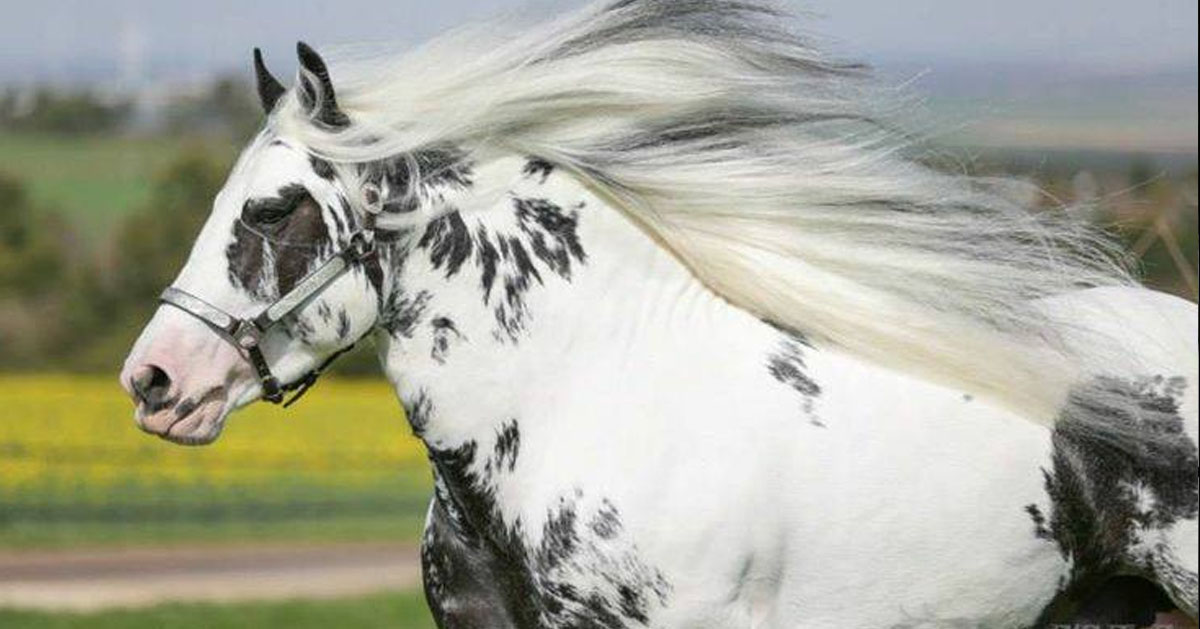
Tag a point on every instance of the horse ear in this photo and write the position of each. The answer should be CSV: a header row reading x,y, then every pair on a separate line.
x,y
269,89
316,90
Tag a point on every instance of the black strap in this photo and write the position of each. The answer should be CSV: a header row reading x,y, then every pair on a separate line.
x,y
309,379
272,390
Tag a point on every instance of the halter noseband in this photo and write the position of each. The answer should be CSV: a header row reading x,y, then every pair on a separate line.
x,y
246,334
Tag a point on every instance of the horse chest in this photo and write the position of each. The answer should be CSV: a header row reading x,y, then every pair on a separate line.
x,y
570,568
468,581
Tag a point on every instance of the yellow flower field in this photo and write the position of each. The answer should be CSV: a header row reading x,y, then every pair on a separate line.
x,y
70,455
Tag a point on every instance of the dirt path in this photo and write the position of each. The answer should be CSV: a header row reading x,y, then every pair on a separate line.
x,y
90,580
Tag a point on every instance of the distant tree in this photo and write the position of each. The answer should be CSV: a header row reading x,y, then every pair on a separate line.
x,y
34,276
152,243
32,255
8,106
73,112
228,107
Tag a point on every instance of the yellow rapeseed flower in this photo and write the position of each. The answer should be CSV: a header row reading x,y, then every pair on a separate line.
x,y
77,433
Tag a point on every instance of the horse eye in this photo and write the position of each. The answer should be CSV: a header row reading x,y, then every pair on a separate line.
x,y
273,211
270,216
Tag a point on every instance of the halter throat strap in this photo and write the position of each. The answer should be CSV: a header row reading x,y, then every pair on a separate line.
x,y
247,334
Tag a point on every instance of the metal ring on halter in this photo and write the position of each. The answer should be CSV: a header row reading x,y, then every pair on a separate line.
x,y
247,334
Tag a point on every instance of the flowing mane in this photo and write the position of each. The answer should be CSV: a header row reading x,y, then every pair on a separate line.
x,y
768,168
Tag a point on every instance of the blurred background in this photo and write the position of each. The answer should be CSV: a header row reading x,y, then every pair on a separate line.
x,y
118,121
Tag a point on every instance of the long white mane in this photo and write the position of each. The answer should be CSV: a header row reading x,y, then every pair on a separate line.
x,y
768,168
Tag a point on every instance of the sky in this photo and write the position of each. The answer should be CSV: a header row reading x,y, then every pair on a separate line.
x,y
61,40
1104,74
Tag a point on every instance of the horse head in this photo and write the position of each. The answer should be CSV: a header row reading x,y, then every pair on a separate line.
x,y
280,279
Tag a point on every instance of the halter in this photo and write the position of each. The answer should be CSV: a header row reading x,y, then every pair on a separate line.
x,y
246,334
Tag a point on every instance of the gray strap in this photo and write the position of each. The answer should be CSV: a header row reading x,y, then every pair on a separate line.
x,y
199,308
309,286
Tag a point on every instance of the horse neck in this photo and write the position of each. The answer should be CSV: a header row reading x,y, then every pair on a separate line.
x,y
514,304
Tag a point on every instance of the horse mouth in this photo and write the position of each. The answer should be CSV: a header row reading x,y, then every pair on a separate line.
x,y
194,421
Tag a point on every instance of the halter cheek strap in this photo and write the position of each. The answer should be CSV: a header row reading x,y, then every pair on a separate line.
x,y
247,334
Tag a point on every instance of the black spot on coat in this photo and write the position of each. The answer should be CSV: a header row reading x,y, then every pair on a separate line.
x,y
448,242
508,446
419,412
1122,467
444,333
321,167
402,312
276,243
343,325
787,366
489,258
539,169
552,233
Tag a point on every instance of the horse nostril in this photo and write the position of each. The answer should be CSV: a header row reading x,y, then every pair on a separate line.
x,y
150,385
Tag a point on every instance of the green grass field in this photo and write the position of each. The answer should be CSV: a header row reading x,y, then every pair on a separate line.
x,y
393,611
93,181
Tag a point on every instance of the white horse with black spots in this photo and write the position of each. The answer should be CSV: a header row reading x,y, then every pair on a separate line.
x,y
695,338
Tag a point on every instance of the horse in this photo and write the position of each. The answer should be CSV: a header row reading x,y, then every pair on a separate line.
x,y
696,335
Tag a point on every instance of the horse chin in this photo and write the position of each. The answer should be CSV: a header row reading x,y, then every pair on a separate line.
x,y
200,426
205,432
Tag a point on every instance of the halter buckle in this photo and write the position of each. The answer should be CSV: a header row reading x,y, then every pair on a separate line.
x,y
247,335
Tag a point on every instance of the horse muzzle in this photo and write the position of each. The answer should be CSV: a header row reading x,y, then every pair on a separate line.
x,y
180,377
